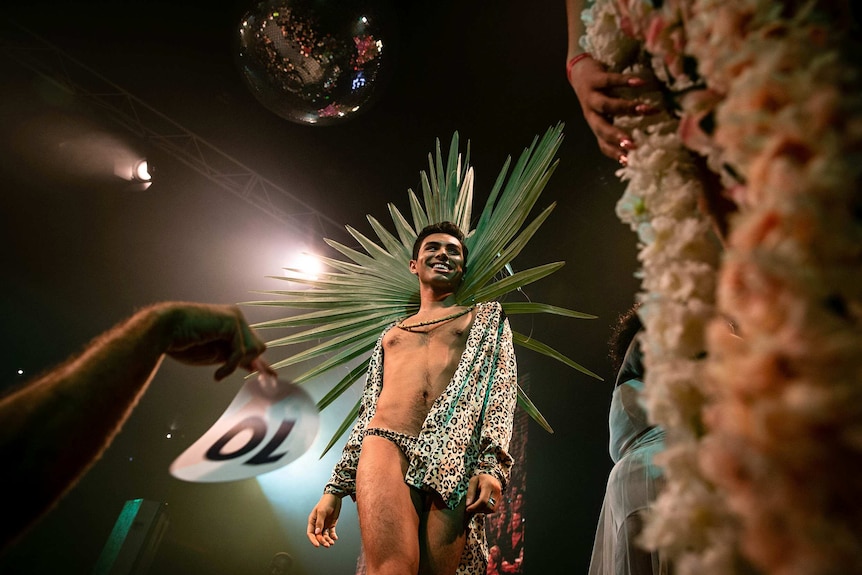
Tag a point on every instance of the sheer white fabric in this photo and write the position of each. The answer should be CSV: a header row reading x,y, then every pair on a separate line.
x,y
633,484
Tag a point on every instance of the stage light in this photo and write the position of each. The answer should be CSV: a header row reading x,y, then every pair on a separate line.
x,y
137,171
307,264
142,172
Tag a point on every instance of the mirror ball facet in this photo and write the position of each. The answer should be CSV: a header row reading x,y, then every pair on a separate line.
x,y
313,62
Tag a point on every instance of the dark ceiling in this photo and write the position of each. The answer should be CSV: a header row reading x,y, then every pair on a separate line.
x,y
82,252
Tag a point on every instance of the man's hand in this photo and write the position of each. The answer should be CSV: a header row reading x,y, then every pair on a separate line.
x,y
88,398
594,87
322,520
202,334
484,492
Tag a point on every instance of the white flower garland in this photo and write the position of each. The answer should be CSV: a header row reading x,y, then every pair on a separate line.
x,y
792,279
679,257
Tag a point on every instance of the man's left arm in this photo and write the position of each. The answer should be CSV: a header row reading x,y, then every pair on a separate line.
x,y
495,463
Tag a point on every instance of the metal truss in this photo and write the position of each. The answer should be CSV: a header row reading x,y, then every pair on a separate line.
x,y
160,131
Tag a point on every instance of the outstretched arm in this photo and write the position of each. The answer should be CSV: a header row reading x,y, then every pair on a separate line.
x,y
55,427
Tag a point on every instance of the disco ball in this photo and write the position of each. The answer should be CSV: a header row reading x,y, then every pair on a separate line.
x,y
312,61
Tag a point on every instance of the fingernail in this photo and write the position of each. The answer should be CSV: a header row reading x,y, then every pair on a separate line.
x,y
635,81
627,144
644,109
623,160
317,531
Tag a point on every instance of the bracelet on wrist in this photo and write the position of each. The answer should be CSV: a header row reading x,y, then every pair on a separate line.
x,y
574,60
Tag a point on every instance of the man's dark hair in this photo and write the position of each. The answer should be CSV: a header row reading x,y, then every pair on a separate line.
x,y
440,228
627,326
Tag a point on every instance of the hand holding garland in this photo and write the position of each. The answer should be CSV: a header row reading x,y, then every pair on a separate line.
x,y
596,89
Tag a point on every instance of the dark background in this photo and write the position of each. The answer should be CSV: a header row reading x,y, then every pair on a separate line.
x,y
81,251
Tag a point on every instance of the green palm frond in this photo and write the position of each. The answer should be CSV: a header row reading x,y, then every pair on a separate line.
x,y
342,429
528,406
518,307
544,349
344,310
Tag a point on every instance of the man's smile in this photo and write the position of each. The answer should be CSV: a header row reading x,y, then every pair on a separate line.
x,y
441,267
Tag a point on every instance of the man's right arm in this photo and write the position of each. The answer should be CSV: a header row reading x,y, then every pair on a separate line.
x,y
342,482
343,479
322,521
324,517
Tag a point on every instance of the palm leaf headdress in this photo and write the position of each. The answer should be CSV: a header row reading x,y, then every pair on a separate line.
x,y
344,310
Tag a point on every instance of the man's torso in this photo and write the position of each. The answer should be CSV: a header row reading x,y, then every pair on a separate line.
x,y
417,367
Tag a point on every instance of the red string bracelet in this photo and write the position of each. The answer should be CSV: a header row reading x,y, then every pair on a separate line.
x,y
574,60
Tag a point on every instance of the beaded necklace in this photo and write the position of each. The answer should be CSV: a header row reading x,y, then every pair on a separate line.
x,y
402,325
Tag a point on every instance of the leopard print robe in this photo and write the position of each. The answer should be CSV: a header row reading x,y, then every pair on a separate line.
x,y
466,432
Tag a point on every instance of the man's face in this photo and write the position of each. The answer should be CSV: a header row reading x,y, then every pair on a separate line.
x,y
515,522
440,262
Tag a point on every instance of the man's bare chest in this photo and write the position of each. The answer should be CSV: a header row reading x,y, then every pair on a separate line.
x,y
432,347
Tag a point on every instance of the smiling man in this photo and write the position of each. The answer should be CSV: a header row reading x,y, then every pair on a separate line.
x,y
428,456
